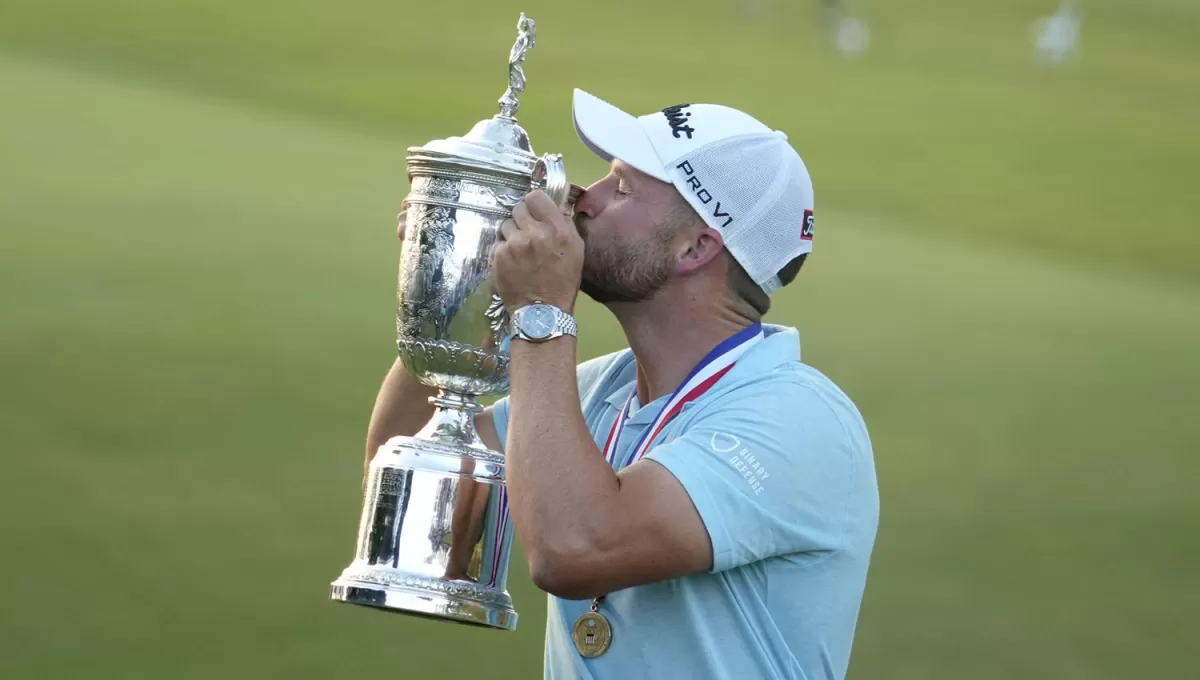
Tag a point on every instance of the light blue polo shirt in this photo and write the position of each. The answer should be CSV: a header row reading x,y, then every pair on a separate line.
x,y
777,460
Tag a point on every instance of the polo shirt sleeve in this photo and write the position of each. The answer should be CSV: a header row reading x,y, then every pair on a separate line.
x,y
589,375
771,470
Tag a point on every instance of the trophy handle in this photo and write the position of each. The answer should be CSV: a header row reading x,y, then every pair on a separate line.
x,y
550,175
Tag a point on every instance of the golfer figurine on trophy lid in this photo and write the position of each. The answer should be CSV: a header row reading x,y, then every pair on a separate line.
x,y
434,537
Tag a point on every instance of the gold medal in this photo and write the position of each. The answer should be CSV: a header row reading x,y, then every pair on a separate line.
x,y
592,633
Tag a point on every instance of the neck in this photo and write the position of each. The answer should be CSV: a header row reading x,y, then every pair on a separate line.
x,y
669,338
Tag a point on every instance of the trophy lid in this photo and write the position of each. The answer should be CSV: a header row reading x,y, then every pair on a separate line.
x,y
497,143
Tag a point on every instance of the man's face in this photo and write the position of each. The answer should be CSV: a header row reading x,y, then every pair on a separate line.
x,y
630,222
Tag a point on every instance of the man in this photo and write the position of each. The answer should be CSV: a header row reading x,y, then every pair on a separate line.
x,y
702,505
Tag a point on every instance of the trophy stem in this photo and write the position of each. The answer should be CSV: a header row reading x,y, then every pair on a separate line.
x,y
453,421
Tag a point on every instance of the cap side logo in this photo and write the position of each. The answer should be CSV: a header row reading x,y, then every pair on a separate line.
x,y
678,119
806,232
703,195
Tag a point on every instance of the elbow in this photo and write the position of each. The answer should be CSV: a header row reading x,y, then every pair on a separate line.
x,y
561,576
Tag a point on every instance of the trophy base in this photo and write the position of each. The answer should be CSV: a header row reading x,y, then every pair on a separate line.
x,y
461,602
435,537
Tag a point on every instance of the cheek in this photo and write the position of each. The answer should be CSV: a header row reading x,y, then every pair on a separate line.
x,y
627,221
624,229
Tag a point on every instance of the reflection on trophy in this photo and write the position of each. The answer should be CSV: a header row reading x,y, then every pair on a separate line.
x,y
434,538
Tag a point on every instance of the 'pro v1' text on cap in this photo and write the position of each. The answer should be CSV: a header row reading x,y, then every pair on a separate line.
x,y
741,176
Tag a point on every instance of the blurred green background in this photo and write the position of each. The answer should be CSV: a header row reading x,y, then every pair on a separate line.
x,y
197,274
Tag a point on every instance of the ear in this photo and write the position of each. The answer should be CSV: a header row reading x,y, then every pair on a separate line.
x,y
699,248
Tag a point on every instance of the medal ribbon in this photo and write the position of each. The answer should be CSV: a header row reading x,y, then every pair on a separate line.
x,y
711,368
706,374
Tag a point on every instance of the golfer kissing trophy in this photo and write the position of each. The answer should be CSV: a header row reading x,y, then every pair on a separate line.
x,y
434,537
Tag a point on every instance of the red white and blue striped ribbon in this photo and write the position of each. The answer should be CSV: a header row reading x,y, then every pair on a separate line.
x,y
501,536
711,369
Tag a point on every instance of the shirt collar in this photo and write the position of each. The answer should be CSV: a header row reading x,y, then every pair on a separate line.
x,y
780,345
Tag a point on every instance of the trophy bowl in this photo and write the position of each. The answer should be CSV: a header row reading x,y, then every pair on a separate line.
x,y
434,537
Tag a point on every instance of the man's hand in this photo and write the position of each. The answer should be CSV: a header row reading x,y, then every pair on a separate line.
x,y
539,257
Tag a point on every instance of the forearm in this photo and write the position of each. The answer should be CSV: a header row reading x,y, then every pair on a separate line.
x,y
560,487
401,408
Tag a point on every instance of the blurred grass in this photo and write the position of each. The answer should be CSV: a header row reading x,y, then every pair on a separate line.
x,y
947,124
196,280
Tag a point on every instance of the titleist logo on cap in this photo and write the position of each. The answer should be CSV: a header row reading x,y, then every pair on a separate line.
x,y
678,119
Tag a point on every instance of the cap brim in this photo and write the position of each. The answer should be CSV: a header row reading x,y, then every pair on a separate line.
x,y
611,133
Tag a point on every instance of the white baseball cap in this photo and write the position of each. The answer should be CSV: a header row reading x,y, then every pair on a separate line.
x,y
741,176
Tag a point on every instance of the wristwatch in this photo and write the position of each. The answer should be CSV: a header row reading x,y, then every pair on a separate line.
x,y
540,322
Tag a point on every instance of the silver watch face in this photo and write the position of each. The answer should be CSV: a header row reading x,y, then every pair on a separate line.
x,y
537,321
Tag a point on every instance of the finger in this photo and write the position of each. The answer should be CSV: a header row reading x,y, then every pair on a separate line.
x,y
502,256
522,217
516,242
508,230
532,227
541,206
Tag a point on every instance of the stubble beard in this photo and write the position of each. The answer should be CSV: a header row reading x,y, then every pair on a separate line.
x,y
629,272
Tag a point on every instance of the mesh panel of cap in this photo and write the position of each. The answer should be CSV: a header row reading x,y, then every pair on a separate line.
x,y
761,183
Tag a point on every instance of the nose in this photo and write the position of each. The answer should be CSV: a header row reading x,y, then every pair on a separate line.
x,y
588,202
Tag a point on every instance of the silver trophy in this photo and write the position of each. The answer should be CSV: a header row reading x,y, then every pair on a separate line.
x,y
434,538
